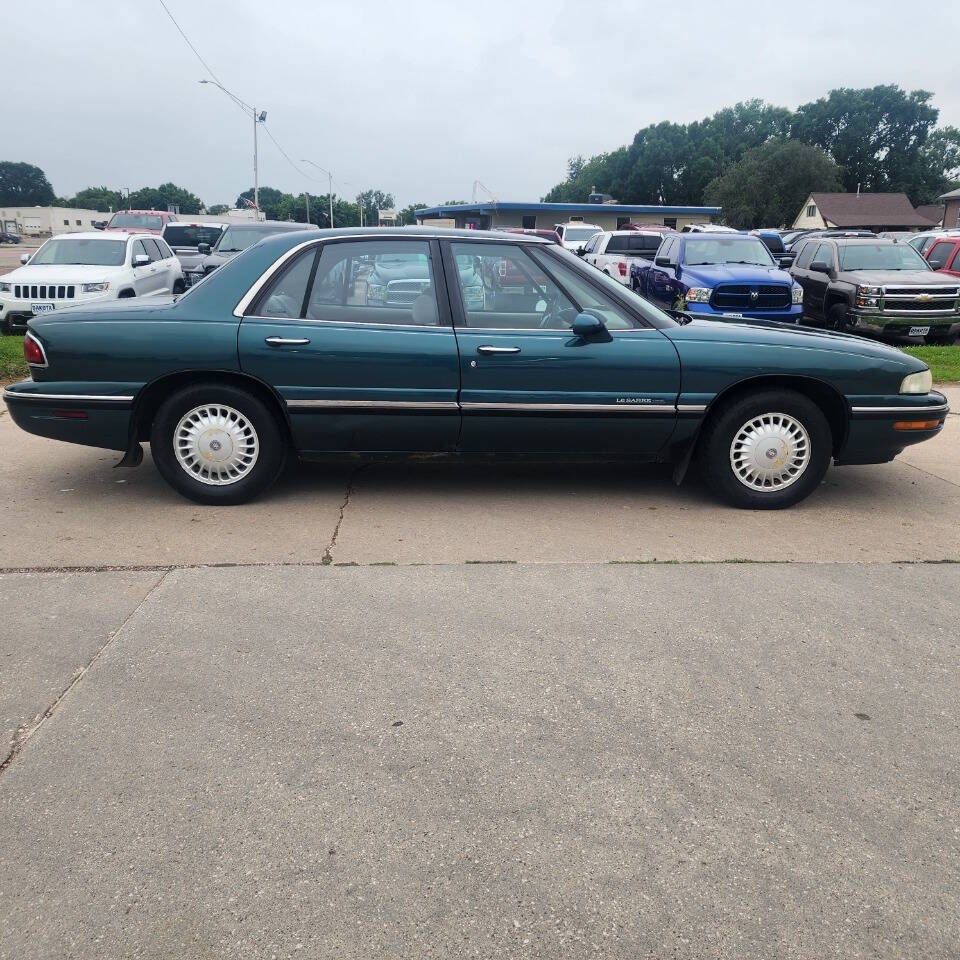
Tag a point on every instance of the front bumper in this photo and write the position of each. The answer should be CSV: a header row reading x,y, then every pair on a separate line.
x,y
791,314
71,412
16,313
880,429
899,323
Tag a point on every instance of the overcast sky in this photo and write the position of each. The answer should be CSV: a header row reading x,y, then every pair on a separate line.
x,y
421,97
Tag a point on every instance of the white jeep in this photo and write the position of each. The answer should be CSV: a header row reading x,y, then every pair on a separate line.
x,y
80,268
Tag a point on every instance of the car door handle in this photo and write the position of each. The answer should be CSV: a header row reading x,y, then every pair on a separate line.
x,y
286,341
487,348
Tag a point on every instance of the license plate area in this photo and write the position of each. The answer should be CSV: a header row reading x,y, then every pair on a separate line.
x,y
41,307
918,331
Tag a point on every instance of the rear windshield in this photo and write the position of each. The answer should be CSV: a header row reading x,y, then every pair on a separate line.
x,y
881,256
772,241
190,235
94,253
143,220
579,233
716,249
637,243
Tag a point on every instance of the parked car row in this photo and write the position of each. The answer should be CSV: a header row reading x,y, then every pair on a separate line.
x,y
430,341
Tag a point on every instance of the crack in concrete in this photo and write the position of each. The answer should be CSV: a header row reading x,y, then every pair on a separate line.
x,y
327,558
25,732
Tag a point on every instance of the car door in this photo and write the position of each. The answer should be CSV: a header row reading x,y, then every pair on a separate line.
x,y
661,285
953,265
529,385
940,254
146,281
354,338
815,289
169,265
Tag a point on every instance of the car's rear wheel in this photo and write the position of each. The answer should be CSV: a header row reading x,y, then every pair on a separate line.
x,y
217,444
767,450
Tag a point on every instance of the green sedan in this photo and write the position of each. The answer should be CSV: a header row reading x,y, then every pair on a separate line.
x,y
282,352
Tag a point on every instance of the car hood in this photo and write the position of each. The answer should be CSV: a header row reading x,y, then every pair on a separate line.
x,y
711,274
772,333
881,278
60,273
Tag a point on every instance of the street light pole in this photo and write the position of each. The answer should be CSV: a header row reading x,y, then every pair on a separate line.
x,y
329,184
257,118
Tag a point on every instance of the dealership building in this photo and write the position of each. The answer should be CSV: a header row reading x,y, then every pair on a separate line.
x,y
544,216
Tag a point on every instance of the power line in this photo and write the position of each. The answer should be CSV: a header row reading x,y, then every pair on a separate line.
x,y
196,52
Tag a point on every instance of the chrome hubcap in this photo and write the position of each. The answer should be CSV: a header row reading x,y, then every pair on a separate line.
x,y
216,444
770,452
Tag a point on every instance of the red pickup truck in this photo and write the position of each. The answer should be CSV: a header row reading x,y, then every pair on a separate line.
x,y
944,255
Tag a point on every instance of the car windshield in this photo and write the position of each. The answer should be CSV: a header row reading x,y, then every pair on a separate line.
x,y
579,233
143,220
190,235
94,253
703,251
881,256
235,239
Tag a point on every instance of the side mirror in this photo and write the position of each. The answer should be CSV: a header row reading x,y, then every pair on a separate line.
x,y
98,224
203,248
820,266
141,260
580,251
24,258
587,325
661,261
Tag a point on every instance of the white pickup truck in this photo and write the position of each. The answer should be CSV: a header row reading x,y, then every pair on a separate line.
x,y
612,251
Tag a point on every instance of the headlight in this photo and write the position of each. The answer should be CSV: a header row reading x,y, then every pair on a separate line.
x,y
4,287
917,382
95,287
698,295
796,293
869,291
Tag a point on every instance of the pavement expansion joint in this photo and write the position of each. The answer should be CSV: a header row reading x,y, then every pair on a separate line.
x,y
25,731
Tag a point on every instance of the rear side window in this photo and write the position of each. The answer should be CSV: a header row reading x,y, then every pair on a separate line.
x,y
286,296
939,255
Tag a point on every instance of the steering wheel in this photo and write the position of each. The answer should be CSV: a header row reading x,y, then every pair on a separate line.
x,y
558,315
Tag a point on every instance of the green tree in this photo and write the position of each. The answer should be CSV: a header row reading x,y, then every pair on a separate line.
x,y
23,184
408,215
880,137
372,201
271,200
768,185
98,198
217,209
159,198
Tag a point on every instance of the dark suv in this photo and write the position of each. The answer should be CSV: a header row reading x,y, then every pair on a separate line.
x,y
235,239
876,286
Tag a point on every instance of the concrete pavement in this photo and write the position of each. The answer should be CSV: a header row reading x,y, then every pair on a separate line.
x,y
746,761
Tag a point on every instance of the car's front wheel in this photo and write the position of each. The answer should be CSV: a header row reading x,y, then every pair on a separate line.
x,y
767,450
217,444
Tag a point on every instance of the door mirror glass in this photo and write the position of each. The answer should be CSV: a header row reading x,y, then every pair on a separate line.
x,y
203,248
820,266
662,261
587,325
141,260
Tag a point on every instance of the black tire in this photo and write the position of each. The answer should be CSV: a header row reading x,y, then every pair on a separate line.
x,y
269,433
943,341
719,433
178,287
837,318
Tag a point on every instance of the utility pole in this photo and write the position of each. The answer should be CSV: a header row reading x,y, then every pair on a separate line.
x,y
258,118
306,196
329,185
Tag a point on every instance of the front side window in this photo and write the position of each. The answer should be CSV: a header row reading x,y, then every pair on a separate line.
x,y
375,281
824,254
94,253
139,250
881,256
939,254
805,254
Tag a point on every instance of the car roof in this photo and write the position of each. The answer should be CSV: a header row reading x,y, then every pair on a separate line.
x,y
104,235
855,241
194,223
633,233
271,224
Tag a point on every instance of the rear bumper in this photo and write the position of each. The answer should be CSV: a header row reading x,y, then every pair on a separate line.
x,y
95,420
877,433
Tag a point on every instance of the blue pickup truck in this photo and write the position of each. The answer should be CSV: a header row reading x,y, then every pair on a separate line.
x,y
723,276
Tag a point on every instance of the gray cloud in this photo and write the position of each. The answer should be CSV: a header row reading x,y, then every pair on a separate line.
x,y
421,97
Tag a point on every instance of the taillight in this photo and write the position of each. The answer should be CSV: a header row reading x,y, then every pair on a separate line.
x,y
622,267
33,352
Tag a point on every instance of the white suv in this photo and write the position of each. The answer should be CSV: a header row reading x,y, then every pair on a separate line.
x,y
80,268
575,233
